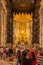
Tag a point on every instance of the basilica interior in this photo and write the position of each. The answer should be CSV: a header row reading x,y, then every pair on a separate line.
x,y
21,21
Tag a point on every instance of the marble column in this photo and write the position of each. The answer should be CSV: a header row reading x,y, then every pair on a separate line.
x,y
41,24
9,26
3,14
0,23
36,23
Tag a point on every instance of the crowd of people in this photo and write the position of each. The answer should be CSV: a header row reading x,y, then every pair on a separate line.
x,y
23,55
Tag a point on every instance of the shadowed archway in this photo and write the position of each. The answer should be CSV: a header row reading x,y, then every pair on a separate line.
x,y
23,6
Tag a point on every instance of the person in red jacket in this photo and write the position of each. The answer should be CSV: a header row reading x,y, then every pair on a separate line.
x,y
33,56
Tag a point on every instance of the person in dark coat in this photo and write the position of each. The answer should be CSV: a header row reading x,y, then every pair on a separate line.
x,y
26,60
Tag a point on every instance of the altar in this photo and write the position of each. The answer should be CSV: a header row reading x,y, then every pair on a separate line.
x,y
22,28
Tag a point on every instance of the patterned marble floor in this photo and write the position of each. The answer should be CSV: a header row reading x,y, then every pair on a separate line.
x,y
4,62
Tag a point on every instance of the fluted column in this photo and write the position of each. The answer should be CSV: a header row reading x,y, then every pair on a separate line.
x,y
0,22
9,26
36,23
3,14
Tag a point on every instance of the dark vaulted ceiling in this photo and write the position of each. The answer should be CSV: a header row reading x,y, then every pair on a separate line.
x,y
21,5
